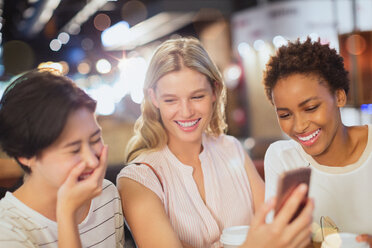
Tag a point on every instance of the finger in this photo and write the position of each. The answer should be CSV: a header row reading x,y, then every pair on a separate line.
x,y
364,238
260,216
305,217
302,237
75,173
290,206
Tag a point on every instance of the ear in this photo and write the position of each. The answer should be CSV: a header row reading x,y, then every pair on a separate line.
x,y
152,95
26,161
341,97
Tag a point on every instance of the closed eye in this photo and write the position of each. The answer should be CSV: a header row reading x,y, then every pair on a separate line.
x,y
283,116
169,100
96,140
198,97
312,108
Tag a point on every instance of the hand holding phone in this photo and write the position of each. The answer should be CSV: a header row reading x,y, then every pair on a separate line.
x,y
288,181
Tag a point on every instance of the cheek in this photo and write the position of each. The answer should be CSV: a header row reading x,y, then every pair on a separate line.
x,y
167,112
285,125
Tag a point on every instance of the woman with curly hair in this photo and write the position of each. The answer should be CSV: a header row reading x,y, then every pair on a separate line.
x,y
307,84
186,180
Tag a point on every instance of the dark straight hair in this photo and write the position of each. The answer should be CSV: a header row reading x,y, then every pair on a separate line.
x,y
34,110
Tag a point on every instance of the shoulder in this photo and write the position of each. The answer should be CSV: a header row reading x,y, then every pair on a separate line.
x,y
14,225
281,147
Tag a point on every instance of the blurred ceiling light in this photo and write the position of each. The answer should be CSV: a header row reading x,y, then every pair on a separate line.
x,y
132,77
101,21
103,66
259,45
244,48
29,12
103,96
151,29
73,29
65,67
64,37
51,65
231,75
89,9
55,45
114,35
39,17
279,41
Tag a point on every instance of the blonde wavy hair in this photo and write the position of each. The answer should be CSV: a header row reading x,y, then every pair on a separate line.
x,y
170,56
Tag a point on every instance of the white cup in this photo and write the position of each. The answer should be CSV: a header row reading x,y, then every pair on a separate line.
x,y
342,240
234,236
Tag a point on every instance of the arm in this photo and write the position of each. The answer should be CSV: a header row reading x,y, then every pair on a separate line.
x,y
281,233
256,183
72,196
145,214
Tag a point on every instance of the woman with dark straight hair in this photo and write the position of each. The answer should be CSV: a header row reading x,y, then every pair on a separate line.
x,y
47,124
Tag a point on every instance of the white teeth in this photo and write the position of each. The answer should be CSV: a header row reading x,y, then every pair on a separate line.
x,y
188,123
309,137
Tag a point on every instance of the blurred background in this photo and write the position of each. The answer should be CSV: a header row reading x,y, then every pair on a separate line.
x,y
105,45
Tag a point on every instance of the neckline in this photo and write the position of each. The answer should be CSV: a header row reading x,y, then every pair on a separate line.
x,y
344,169
185,167
51,223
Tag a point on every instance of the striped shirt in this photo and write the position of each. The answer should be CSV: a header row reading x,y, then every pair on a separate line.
x,y
21,226
227,191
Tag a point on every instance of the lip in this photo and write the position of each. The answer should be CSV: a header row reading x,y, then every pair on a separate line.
x,y
85,175
309,138
188,125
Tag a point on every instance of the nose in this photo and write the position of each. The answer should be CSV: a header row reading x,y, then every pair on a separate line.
x,y
300,124
187,109
90,157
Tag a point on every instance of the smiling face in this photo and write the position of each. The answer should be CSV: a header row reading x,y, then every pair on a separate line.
x,y
79,141
185,101
308,112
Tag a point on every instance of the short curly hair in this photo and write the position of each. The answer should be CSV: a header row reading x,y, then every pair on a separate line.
x,y
306,58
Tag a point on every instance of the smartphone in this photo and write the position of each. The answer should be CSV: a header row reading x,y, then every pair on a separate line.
x,y
287,183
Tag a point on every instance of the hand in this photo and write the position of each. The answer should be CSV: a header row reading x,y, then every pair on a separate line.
x,y
74,193
365,238
281,232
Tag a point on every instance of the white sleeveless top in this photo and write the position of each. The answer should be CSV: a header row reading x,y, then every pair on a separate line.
x,y
227,191
342,193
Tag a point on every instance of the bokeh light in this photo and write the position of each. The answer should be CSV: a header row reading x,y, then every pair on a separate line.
x,y
101,21
17,57
134,12
103,66
356,44
55,45
64,37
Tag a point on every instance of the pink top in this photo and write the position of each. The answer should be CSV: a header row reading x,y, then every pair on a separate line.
x,y
227,190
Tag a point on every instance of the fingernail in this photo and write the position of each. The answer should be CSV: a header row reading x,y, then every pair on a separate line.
x,y
302,187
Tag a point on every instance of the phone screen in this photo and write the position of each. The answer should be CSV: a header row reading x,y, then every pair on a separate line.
x,y
288,181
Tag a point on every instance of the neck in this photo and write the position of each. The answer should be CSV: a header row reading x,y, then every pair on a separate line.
x,y
187,153
340,151
41,199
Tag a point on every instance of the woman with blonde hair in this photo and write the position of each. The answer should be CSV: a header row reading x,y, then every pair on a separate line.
x,y
186,180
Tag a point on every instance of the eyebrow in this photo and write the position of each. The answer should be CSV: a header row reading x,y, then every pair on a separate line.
x,y
300,104
74,143
194,92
